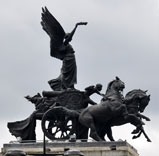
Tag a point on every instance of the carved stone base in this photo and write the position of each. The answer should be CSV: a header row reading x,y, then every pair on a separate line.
x,y
118,148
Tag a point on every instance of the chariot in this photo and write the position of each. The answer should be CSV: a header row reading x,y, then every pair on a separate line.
x,y
61,120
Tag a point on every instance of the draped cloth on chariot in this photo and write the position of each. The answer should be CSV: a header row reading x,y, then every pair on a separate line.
x,y
24,128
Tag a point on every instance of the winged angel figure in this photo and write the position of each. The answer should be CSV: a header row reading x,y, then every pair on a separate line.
x,y
60,48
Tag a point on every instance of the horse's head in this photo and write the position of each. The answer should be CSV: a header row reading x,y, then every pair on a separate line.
x,y
114,89
144,101
116,84
139,98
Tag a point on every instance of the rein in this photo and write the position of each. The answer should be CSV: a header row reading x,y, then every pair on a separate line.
x,y
131,106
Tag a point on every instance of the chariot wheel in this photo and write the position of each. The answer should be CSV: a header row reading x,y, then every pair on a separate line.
x,y
56,125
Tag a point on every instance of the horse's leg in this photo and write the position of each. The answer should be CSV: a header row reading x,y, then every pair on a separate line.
x,y
137,136
101,130
105,130
93,132
135,131
143,116
146,136
109,133
142,131
81,132
134,120
87,120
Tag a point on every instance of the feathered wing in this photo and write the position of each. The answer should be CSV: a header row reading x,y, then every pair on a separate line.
x,y
54,30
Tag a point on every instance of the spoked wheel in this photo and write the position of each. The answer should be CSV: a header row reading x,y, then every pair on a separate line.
x,y
56,125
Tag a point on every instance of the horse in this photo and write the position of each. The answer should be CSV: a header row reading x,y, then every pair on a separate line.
x,y
110,107
136,101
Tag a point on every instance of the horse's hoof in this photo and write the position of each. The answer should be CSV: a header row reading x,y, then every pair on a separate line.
x,y
135,131
134,137
95,137
148,120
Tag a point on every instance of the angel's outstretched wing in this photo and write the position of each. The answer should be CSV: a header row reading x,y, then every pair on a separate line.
x,y
54,30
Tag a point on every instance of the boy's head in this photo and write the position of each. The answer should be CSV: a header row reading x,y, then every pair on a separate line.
x,y
99,87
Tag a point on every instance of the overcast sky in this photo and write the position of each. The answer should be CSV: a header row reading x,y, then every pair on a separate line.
x,y
121,39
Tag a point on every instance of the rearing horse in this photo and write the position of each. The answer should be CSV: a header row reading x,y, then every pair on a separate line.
x,y
136,102
110,107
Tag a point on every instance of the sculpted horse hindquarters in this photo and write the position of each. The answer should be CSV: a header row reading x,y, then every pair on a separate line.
x,y
98,113
111,107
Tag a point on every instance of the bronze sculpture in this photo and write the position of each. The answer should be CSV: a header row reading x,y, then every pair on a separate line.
x,y
66,109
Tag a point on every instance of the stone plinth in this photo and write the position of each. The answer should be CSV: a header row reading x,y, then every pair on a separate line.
x,y
119,148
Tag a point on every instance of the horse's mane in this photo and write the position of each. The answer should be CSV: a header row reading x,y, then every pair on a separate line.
x,y
131,94
109,86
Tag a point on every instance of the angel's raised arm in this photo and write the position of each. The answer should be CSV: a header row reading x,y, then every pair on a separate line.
x,y
69,36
